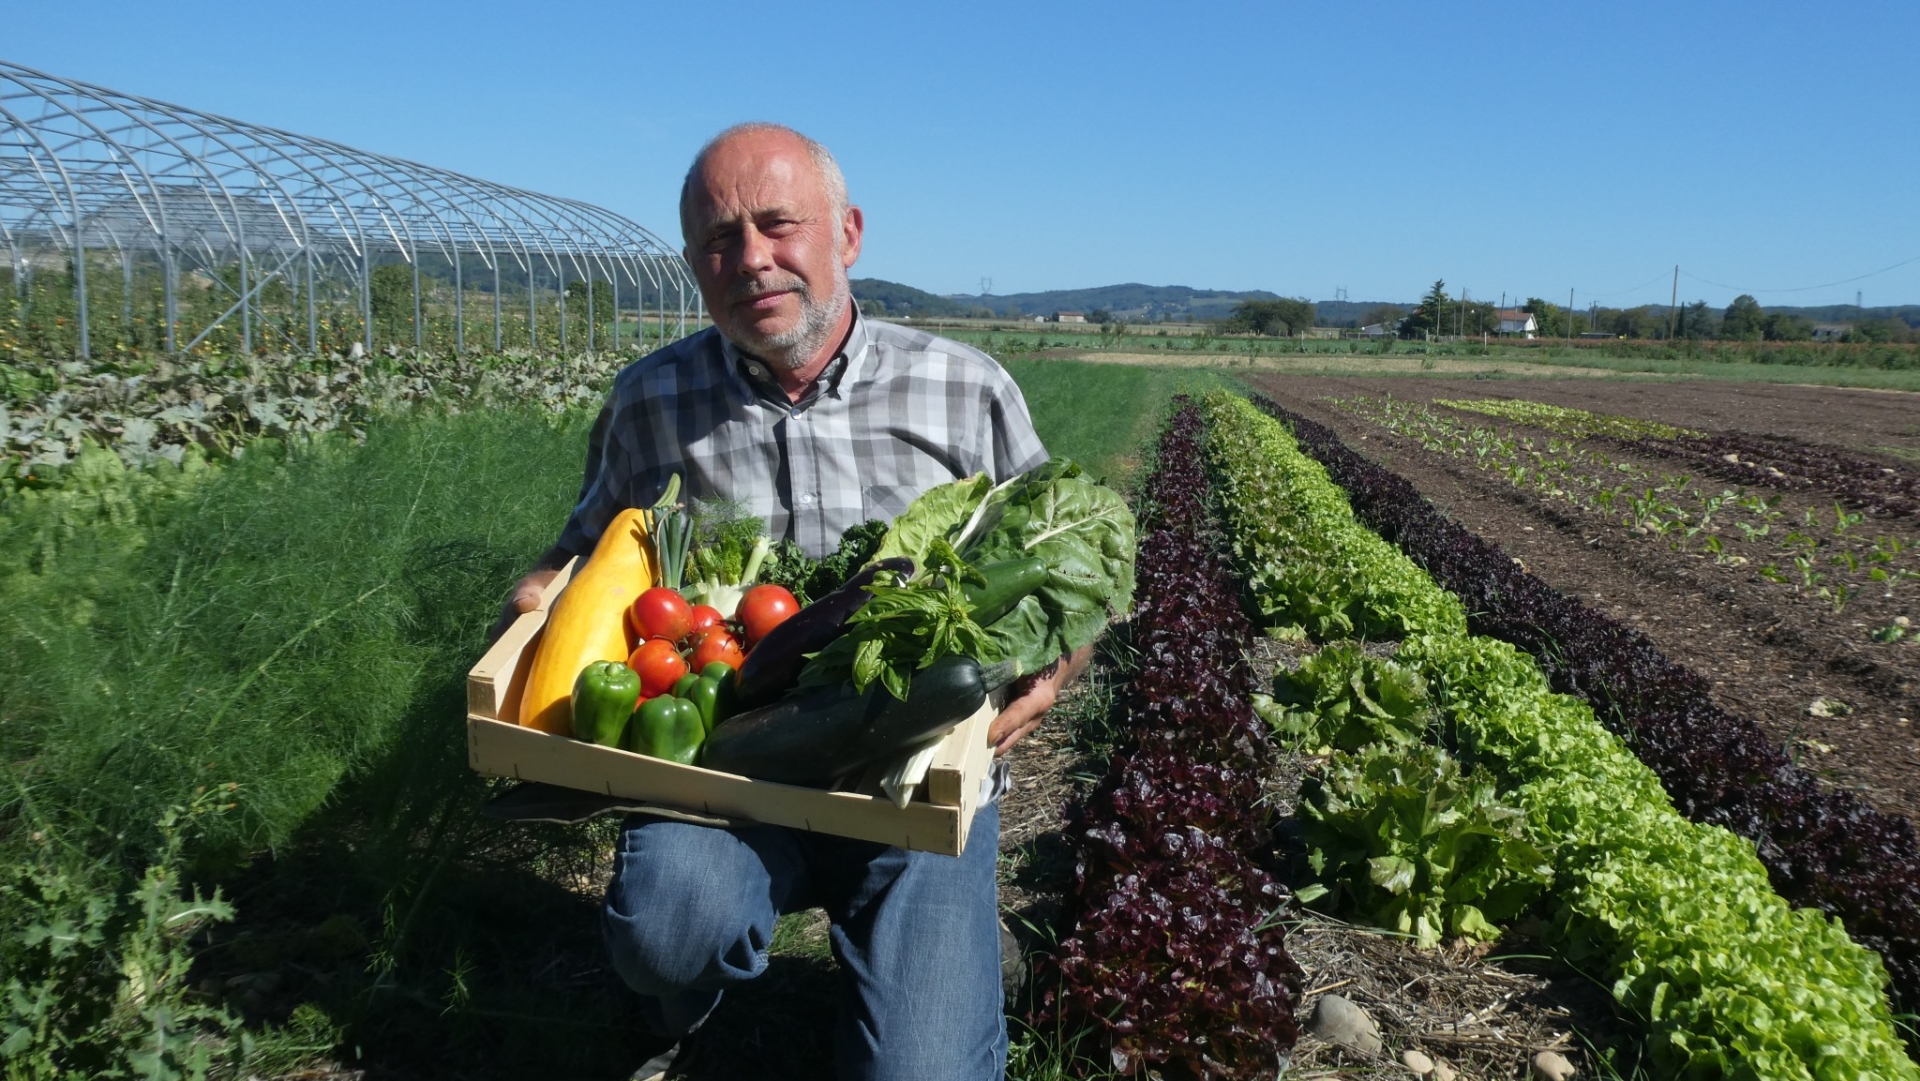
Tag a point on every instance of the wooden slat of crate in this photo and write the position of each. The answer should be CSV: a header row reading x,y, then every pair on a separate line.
x,y
497,746
495,682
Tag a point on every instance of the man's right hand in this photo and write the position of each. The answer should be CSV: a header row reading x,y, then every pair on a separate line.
x,y
524,598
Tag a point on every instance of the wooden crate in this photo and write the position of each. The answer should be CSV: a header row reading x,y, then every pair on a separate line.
x,y
935,821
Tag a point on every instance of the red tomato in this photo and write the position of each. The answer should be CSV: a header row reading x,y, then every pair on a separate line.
x,y
661,613
717,644
659,664
765,607
705,617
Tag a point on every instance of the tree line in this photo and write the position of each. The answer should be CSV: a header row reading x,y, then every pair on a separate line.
x,y
1440,314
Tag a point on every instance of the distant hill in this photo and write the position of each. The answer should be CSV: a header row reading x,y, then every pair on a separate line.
x,y
1847,313
1132,301
1138,303
880,297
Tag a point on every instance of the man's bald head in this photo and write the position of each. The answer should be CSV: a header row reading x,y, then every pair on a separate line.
x,y
831,178
770,238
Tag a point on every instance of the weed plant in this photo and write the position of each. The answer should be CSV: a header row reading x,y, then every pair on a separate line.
x,y
294,625
266,627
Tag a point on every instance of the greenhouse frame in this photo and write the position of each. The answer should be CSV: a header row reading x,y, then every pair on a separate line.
x,y
289,233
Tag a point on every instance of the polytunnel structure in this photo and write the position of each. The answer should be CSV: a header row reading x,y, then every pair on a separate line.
x,y
293,239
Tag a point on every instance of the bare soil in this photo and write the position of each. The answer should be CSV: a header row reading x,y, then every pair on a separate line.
x,y
1885,422
1770,651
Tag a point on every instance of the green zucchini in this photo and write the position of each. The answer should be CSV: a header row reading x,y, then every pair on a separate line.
x,y
1008,582
794,740
942,695
816,736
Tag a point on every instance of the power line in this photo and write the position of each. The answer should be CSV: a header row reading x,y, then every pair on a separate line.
x,y
1650,281
1806,288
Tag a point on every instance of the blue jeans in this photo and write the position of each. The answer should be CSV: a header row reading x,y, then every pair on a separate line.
x,y
690,912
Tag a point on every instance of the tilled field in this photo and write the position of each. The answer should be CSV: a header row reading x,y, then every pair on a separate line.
x,y
1809,672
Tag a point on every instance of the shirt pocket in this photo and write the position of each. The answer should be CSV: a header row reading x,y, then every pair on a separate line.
x,y
885,501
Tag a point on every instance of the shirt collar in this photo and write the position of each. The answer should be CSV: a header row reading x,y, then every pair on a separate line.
x,y
847,363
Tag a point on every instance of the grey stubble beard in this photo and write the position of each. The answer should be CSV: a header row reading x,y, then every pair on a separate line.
x,y
793,348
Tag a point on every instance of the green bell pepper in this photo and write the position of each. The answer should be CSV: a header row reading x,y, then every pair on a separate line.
x,y
726,696
705,695
669,728
684,684
603,697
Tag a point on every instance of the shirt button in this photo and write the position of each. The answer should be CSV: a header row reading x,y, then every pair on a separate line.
x,y
806,497
757,370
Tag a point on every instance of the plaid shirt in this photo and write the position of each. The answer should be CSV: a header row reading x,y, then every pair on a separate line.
x,y
896,412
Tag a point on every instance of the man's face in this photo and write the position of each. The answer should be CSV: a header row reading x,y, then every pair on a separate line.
x,y
769,256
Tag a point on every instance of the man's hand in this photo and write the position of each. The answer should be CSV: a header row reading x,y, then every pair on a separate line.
x,y
1032,697
526,592
524,598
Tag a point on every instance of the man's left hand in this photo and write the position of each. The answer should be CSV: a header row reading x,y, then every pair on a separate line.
x,y
1032,697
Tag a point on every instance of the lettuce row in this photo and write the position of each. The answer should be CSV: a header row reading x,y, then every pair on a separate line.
x,y
1173,962
1824,848
1308,562
1730,979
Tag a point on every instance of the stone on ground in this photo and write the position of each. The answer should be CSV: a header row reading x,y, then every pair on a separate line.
x,y
1552,1066
1338,1021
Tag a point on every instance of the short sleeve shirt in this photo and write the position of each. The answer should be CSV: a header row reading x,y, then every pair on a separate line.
x,y
896,412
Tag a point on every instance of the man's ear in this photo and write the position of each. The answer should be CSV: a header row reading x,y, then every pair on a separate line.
x,y
852,224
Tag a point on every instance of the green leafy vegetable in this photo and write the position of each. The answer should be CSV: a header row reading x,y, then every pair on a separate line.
x,y
811,579
905,627
729,545
1343,699
1405,840
1084,532
935,515
1082,529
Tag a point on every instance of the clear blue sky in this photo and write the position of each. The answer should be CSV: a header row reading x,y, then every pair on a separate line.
x,y
1509,148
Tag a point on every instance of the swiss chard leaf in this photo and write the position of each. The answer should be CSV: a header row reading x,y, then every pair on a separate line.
x,y
936,514
1085,533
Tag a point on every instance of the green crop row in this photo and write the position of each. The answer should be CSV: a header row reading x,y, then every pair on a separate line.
x,y
1573,423
1729,979
1829,561
1308,564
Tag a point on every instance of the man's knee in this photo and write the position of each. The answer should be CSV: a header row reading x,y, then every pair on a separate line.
x,y
959,1040
689,906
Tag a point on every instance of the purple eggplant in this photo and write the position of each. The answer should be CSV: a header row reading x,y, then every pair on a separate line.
x,y
776,660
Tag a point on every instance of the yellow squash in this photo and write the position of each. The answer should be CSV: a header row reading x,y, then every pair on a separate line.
x,y
588,621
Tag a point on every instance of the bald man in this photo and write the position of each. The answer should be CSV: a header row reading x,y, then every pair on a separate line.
x,y
815,419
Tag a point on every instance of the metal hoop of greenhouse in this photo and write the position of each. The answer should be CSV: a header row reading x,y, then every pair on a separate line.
x,y
138,225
